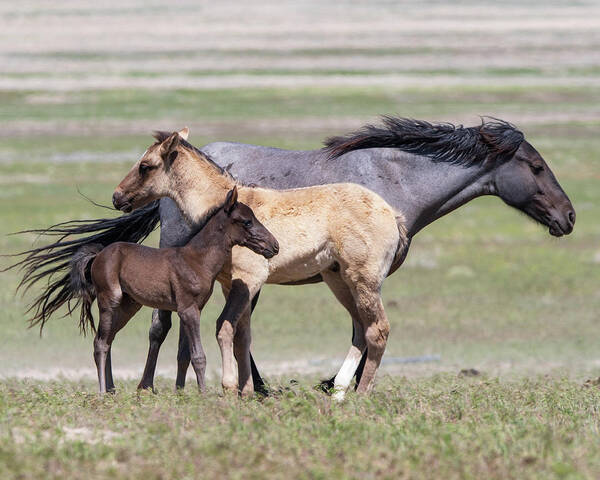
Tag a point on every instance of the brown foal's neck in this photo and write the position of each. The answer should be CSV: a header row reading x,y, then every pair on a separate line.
x,y
213,239
213,232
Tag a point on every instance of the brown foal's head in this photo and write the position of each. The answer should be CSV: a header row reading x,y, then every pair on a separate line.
x,y
244,228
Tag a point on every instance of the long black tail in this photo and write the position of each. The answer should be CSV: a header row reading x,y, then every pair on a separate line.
x,y
81,287
54,259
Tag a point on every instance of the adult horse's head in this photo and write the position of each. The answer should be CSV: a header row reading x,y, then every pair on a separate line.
x,y
512,168
149,178
524,181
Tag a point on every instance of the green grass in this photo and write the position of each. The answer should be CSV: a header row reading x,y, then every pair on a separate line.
x,y
269,103
262,52
440,426
484,288
324,71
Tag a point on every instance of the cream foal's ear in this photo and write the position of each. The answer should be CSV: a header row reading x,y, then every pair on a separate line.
x,y
184,133
168,149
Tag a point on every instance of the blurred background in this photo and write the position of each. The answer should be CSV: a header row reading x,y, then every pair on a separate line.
x,y
83,83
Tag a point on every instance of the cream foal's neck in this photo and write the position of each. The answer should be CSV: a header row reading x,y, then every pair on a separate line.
x,y
199,191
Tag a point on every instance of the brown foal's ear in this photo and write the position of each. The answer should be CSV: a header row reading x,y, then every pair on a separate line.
x,y
168,149
231,200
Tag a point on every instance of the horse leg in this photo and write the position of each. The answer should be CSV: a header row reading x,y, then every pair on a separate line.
x,y
183,358
327,385
161,323
224,329
241,350
361,367
102,345
376,327
238,298
114,315
344,295
238,301
110,384
259,384
396,264
190,323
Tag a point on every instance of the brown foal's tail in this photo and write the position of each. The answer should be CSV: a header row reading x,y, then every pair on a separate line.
x,y
52,263
81,287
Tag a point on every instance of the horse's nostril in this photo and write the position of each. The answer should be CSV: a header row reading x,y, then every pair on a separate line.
x,y
117,199
571,217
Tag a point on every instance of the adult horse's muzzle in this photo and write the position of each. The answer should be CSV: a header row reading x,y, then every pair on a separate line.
x,y
562,222
562,226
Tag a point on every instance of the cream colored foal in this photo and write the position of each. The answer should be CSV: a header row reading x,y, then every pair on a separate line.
x,y
344,232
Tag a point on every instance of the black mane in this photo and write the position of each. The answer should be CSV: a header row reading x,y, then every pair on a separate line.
x,y
444,142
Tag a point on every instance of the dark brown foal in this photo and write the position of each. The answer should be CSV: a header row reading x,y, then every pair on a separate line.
x,y
125,276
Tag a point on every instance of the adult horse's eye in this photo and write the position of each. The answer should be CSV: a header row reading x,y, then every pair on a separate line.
x,y
247,223
537,168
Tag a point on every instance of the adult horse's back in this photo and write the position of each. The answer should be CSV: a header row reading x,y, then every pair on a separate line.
x,y
426,170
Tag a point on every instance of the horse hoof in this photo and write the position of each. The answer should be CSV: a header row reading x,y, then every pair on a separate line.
x,y
230,389
262,391
326,386
338,395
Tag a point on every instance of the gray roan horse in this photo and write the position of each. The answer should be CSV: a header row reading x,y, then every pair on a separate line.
x,y
425,170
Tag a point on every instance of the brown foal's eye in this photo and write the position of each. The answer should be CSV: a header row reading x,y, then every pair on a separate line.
x,y
144,168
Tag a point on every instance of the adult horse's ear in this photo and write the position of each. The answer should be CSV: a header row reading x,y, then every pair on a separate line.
x,y
168,149
231,200
184,133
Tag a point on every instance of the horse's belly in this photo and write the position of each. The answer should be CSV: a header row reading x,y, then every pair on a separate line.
x,y
284,269
151,297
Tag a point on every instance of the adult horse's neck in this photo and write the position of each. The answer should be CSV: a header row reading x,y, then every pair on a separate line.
x,y
438,188
422,189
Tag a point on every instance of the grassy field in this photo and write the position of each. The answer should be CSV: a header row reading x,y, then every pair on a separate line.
x,y
483,288
436,427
